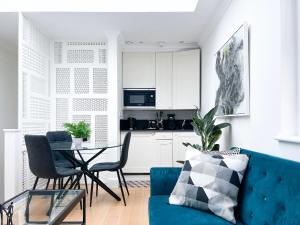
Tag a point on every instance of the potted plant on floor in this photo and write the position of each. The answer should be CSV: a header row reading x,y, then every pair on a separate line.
x,y
208,131
80,131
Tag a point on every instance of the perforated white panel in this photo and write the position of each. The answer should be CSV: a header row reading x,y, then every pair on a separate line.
x,y
34,81
86,118
81,92
90,104
63,80
62,112
80,56
34,61
101,127
39,86
81,80
25,95
39,108
86,43
102,55
57,52
100,80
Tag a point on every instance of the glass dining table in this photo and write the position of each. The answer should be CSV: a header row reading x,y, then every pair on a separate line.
x,y
65,148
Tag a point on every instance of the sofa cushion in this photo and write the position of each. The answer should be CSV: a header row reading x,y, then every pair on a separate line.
x,y
211,182
162,213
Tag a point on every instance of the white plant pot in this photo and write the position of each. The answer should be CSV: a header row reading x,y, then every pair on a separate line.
x,y
77,142
191,153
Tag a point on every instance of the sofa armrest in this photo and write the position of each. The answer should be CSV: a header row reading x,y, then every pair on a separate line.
x,y
163,180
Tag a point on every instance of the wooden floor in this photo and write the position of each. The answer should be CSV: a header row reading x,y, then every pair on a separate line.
x,y
107,211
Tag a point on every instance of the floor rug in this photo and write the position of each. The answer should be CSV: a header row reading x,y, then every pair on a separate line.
x,y
138,183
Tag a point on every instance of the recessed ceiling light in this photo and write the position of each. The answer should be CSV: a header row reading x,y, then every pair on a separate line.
x,y
129,42
100,5
181,42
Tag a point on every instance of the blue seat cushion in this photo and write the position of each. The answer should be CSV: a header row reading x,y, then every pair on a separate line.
x,y
66,172
162,213
106,166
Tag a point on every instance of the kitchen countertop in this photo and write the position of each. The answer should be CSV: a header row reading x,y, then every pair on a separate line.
x,y
149,130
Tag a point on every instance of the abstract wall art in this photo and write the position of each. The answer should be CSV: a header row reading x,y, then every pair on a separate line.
x,y
232,69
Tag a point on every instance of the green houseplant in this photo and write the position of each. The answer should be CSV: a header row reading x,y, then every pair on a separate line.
x,y
209,132
80,130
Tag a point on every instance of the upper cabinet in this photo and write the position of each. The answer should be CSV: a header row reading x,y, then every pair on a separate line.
x,y
175,75
186,79
164,76
138,70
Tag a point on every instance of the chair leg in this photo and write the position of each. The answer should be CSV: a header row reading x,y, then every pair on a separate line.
x,y
86,186
120,183
54,184
62,183
59,183
124,181
48,181
97,185
35,183
67,182
78,185
91,194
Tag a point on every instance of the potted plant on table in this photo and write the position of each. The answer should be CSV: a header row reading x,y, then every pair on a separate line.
x,y
209,132
80,131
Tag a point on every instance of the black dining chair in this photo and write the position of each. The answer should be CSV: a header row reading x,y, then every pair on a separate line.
x,y
114,167
60,161
42,164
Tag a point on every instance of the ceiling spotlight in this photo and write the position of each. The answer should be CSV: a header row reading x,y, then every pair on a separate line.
x,y
141,42
161,43
181,42
129,42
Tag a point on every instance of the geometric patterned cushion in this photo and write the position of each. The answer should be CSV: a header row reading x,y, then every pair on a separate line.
x,y
211,182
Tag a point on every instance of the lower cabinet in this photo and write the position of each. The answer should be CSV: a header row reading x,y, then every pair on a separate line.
x,y
149,149
179,149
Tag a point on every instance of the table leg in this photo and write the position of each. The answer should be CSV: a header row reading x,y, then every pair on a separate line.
x,y
100,183
84,211
85,170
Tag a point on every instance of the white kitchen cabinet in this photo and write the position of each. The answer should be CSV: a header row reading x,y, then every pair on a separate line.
x,y
149,149
164,76
164,143
139,70
186,79
179,149
143,152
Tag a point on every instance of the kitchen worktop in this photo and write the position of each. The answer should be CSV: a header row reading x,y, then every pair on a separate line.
x,y
148,130
142,125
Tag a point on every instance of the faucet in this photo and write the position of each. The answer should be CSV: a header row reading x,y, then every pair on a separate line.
x,y
183,124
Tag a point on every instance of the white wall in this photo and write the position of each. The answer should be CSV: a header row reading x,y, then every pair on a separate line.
x,y
258,131
8,101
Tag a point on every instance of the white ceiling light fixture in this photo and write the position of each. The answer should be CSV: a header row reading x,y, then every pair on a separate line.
x,y
100,5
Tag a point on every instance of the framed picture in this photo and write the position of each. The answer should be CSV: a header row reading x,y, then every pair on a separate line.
x,y
232,69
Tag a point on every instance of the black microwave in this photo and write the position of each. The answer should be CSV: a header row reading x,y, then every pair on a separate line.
x,y
139,98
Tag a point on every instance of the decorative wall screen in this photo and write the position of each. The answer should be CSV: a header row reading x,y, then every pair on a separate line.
x,y
80,73
35,94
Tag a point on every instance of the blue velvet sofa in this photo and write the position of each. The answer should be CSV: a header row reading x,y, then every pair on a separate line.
x,y
269,195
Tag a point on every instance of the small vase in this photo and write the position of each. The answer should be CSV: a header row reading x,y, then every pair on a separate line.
x,y
77,142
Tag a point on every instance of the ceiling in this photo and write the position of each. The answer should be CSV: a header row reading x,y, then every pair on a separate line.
x,y
142,28
9,30
170,27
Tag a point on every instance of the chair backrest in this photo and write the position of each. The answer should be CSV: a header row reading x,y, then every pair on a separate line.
x,y
56,137
125,149
269,193
41,161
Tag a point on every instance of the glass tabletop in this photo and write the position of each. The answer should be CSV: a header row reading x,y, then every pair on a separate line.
x,y
42,206
70,146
